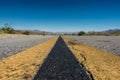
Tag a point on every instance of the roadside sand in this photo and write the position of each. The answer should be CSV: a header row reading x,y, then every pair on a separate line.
x,y
24,65
102,65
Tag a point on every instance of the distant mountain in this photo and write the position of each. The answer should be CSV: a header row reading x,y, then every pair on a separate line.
x,y
65,33
111,31
35,31
107,32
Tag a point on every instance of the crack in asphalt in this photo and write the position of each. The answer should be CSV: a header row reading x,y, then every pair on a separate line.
x,y
61,64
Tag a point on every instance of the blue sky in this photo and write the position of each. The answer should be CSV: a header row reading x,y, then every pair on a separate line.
x,y
61,15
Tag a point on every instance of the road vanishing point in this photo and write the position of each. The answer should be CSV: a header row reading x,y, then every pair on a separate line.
x,y
61,64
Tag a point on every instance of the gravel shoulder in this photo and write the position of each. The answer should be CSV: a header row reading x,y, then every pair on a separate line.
x,y
102,65
11,46
24,65
109,44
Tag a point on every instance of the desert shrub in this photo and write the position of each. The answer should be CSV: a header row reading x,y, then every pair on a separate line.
x,y
81,33
26,32
65,34
44,33
73,33
2,32
116,34
97,33
7,29
91,33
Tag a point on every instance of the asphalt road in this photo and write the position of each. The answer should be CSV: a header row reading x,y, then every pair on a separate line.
x,y
61,64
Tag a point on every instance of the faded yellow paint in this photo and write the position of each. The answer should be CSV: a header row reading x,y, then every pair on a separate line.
x,y
23,65
102,65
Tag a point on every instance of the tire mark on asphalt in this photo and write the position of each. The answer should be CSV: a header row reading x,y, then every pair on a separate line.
x,y
61,64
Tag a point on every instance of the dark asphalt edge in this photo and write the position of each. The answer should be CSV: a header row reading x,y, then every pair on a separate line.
x,y
82,65
87,72
44,60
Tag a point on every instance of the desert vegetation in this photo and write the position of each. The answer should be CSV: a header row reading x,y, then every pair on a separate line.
x,y
8,29
94,33
114,32
81,33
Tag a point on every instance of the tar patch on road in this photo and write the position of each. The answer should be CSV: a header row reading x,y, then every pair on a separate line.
x,y
61,64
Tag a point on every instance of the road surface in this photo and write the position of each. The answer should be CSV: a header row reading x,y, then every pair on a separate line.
x,y
61,64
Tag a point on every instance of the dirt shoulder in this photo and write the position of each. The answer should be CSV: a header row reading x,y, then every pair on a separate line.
x,y
24,65
102,65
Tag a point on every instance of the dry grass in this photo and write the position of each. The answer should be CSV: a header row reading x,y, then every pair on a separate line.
x,y
24,65
102,65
